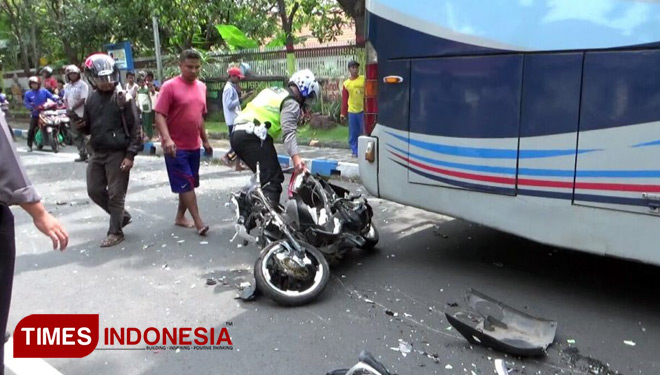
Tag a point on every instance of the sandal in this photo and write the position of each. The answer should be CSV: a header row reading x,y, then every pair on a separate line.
x,y
112,240
202,232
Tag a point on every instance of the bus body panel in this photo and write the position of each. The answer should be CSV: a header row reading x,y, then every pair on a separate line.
x,y
522,105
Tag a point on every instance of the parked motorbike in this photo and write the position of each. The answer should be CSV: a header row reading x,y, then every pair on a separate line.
x,y
288,270
53,122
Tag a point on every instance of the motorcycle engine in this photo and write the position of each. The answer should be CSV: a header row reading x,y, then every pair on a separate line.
x,y
354,215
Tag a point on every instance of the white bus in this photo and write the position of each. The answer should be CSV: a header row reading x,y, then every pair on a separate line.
x,y
539,118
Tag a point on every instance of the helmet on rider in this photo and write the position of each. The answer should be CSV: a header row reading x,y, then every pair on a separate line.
x,y
47,71
306,83
34,80
72,69
102,72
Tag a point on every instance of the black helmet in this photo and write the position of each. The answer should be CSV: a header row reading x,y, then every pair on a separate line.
x,y
101,68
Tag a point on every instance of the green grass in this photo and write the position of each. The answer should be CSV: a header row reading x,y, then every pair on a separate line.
x,y
336,134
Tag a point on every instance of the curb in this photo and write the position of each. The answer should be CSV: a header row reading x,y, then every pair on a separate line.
x,y
324,167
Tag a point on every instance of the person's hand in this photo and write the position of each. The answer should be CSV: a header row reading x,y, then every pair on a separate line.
x,y
298,164
169,147
207,148
52,228
342,118
80,124
126,165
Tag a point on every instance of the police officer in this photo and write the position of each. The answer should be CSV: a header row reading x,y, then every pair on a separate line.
x,y
271,112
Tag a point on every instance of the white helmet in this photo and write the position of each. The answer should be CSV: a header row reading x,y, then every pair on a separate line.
x,y
306,83
71,69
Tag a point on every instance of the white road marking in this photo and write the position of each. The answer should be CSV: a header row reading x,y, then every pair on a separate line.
x,y
26,366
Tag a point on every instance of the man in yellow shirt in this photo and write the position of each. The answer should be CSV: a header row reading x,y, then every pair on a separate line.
x,y
352,99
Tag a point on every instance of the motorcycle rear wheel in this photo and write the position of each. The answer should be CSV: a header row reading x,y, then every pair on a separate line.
x,y
286,290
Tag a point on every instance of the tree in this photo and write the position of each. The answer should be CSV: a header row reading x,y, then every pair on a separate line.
x,y
14,11
356,10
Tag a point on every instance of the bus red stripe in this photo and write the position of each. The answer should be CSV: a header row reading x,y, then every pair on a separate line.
x,y
539,183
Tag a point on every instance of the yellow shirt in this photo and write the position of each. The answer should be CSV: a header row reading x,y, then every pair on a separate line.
x,y
355,90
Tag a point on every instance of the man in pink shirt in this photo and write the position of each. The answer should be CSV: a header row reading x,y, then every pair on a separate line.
x,y
179,118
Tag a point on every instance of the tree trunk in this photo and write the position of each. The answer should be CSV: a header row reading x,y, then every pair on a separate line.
x,y
360,32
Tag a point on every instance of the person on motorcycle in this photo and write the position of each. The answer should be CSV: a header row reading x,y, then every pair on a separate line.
x,y
110,117
33,100
76,94
271,112
50,83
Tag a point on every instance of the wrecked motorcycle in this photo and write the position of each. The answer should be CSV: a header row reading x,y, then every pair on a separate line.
x,y
288,270
329,217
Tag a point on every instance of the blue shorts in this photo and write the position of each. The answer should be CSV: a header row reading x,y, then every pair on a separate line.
x,y
183,170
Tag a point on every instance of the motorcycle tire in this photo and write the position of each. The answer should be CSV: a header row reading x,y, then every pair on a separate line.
x,y
270,281
371,238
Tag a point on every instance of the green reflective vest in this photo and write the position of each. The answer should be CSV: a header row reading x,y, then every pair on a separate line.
x,y
265,107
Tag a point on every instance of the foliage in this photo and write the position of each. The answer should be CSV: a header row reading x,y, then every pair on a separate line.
x,y
65,31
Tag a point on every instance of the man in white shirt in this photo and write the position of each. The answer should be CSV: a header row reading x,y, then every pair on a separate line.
x,y
75,95
231,105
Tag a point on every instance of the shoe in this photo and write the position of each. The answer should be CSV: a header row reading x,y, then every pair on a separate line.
x,y
112,240
29,149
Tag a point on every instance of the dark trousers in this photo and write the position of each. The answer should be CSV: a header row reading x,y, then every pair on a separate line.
x,y
250,149
107,186
34,125
7,259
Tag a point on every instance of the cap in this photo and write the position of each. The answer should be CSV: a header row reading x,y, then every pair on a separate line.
x,y
235,72
352,63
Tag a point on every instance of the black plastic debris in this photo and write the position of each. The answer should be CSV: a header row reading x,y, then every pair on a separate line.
x,y
367,365
211,282
495,325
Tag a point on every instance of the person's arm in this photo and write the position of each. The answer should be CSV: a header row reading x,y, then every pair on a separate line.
x,y
162,109
85,124
289,122
133,124
83,96
344,101
227,95
16,189
27,101
202,129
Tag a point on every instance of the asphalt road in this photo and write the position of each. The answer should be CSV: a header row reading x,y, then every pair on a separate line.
x,y
157,277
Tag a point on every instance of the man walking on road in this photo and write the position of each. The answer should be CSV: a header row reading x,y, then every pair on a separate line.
x,y
33,100
180,122
16,189
76,94
352,99
110,117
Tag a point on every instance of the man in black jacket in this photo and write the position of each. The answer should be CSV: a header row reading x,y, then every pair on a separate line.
x,y
111,118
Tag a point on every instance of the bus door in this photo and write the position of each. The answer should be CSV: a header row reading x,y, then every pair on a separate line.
x,y
465,122
618,162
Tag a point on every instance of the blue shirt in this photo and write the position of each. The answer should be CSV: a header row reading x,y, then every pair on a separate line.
x,y
34,99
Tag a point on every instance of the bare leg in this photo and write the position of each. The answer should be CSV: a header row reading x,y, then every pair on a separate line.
x,y
189,200
180,219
